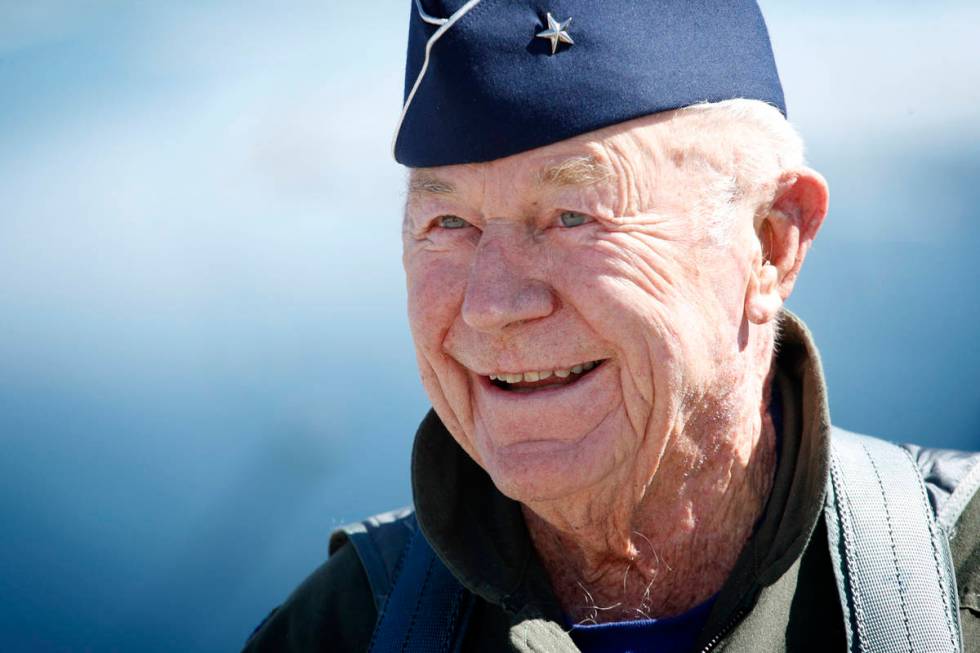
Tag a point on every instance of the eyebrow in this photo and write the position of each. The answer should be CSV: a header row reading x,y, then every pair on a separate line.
x,y
576,171
422,182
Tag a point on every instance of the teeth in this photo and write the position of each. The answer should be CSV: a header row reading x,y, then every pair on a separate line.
x,y
544,374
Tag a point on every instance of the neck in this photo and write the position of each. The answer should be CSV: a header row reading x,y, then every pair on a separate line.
x,y
669,547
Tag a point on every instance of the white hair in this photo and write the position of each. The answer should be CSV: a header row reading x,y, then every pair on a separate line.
x,y
750,145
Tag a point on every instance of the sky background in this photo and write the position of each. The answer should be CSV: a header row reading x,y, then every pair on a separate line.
x,y
204,360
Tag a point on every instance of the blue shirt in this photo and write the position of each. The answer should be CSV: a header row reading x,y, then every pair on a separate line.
x,y
671,635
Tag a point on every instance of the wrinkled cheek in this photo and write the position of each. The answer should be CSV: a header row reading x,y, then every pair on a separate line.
x,y
435,295
658,373
656,338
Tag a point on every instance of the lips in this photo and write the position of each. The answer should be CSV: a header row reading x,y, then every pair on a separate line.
x,y
528,418
540,379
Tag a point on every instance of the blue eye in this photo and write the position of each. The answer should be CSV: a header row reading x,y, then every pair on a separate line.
x,y
452,222
573,219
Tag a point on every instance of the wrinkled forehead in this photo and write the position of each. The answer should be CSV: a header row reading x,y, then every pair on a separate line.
x,y
575,169
643,146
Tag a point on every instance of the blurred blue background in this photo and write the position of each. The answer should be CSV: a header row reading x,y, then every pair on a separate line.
x,y
204,361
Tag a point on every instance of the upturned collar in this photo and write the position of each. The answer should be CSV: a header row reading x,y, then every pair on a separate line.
x,y
481,536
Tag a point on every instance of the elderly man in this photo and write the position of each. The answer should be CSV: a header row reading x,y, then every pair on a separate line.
x,y
630,447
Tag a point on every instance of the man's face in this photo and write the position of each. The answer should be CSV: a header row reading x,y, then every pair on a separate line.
x,y
574,307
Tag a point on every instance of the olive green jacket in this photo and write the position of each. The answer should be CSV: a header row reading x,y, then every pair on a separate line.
x,y
781,595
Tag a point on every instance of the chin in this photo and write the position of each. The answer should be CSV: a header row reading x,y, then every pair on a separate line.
x,y
544,470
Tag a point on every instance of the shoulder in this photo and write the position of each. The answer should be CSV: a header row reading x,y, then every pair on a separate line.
x,y
965,549
335,607
952,479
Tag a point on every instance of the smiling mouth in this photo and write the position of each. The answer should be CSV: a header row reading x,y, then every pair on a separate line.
x,y
541,380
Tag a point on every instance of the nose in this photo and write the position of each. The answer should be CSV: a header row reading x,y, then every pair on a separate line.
x,y
500,292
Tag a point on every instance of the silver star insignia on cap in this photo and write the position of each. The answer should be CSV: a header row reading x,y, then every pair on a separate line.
x,y
556,33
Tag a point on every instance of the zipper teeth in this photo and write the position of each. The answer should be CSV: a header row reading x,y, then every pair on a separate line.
x,y
724,631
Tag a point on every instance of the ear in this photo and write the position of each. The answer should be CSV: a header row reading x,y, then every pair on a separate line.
x,y
786,231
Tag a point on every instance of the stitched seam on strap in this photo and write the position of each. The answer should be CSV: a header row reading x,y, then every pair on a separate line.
x,y
891,539
924,500
418,605
396,573
450,631
844,516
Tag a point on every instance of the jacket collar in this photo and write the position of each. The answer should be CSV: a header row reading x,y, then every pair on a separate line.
x,y
481,537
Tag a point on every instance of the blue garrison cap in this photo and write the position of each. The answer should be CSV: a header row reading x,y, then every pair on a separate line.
x,y
486,79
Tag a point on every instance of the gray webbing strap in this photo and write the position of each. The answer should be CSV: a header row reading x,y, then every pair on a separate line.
x,y
893,567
